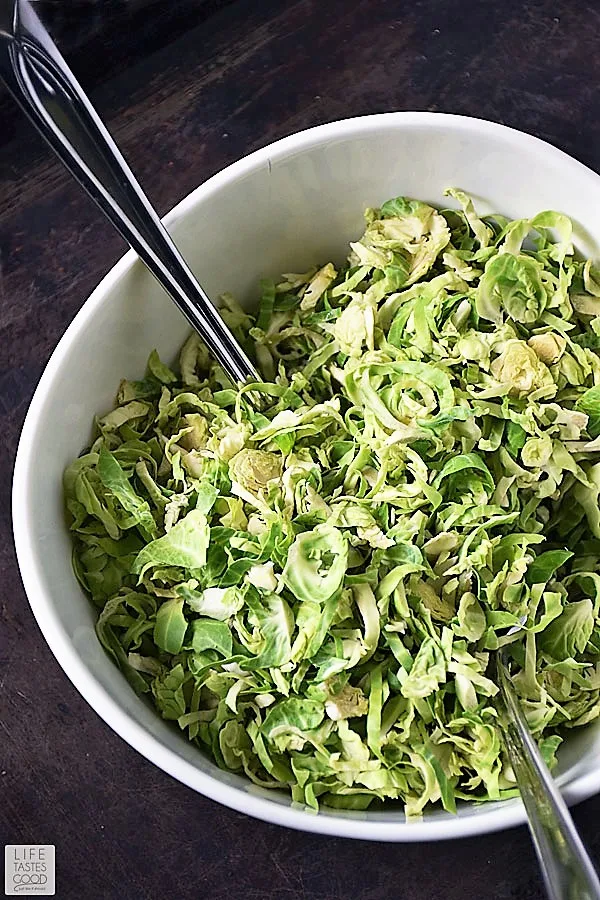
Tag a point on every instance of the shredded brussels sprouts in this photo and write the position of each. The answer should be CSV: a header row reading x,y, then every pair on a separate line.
x,y
312,589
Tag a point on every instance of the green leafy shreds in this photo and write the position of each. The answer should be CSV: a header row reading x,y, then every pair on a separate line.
x,y
312,590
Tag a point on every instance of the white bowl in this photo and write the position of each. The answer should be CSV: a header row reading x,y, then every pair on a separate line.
x,y
287,206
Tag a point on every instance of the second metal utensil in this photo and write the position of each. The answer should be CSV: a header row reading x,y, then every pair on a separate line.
x,y
41,82
567,869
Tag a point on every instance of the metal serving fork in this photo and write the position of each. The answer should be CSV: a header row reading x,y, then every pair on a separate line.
x,y
41,82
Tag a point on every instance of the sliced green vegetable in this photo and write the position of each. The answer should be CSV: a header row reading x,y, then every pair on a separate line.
x,y
311,589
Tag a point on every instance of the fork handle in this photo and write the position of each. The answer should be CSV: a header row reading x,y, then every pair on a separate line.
x,y
567,869
41,82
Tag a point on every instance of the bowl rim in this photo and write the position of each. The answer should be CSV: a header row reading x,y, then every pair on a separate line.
x,y
503,815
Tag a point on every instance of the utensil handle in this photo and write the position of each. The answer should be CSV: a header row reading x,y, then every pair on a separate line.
x,y
41,82
567,869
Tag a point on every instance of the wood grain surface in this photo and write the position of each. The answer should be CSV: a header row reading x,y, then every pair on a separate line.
x,y
183,100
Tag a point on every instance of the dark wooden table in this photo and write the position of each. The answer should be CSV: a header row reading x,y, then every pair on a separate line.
x,y
187,87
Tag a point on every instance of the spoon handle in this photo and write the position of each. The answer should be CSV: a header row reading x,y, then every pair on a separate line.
x,y
41,82
567,869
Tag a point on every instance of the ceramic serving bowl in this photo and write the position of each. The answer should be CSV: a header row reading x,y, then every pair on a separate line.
x,y
284,208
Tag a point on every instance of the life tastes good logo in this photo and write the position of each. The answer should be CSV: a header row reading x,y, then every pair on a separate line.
x,y
29,870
